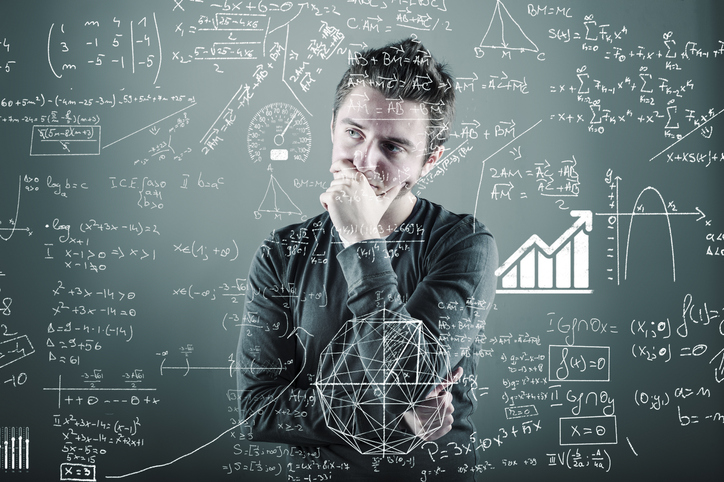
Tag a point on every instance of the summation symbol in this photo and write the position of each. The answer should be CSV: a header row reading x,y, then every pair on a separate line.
x,y
374,370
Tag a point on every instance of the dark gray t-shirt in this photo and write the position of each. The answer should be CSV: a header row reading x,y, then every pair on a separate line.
x,y
336,343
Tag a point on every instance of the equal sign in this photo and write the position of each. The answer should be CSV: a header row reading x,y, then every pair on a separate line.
x,y
15,448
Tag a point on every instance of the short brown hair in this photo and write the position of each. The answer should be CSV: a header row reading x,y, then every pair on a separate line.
x,y
406,70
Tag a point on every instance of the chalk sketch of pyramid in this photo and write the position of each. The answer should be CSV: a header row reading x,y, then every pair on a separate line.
x,y
559,268
276,201
505,33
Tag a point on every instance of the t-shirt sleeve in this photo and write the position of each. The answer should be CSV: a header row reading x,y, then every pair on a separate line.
x,y
452,300
399,344
267,369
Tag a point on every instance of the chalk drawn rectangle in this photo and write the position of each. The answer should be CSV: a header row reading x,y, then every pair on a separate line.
x,y
15,349
595,430
279,154
578,363
78,472
522,411
237,22
65,140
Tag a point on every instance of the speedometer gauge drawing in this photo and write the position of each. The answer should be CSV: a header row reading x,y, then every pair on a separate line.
x,y
279,132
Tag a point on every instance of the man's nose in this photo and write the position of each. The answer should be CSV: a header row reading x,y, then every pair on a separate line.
x,y
365,158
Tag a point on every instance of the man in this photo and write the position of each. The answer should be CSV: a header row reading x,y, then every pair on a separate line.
x,y
362,326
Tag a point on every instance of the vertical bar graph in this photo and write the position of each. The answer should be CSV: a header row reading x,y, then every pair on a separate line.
x,y
14,449
562,267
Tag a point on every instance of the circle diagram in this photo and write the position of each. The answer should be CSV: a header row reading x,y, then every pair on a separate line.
x,y
279,132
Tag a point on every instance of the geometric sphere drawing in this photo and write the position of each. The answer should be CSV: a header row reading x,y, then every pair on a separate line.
x,y
374,370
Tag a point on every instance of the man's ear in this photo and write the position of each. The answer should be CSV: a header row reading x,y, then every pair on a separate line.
x,y
434,157
331,129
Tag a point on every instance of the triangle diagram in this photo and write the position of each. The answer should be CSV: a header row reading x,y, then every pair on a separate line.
x,y
276,200
505,33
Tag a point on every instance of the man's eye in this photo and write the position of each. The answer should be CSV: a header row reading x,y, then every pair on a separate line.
x,y
353,133
393,148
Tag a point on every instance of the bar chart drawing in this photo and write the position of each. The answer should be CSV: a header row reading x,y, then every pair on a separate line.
x,y
562,267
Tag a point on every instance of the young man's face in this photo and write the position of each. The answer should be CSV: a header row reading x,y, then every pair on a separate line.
x,y
384,139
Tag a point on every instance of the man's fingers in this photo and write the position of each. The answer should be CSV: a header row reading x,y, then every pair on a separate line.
x,y
341,181
392,193
439,422
438,434
324,199
433,418
450,379
342,167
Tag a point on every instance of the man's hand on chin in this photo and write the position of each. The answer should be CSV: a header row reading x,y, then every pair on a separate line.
x,y
353,205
